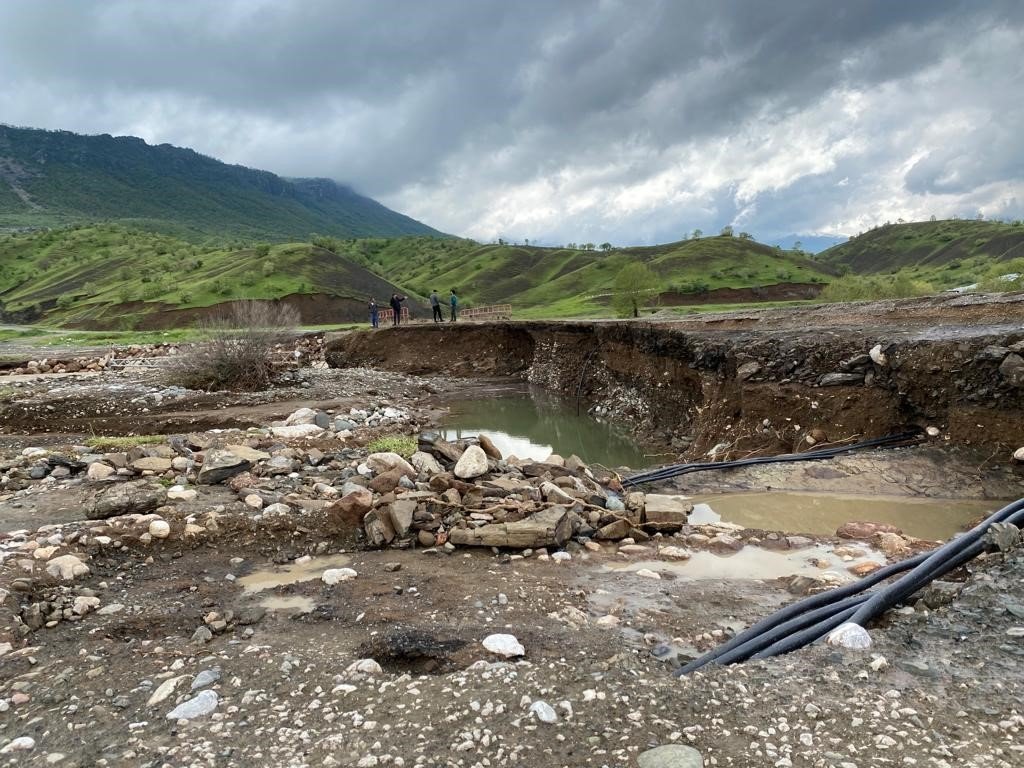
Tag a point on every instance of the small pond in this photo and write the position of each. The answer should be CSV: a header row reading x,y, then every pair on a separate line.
x,y
533,424
823,513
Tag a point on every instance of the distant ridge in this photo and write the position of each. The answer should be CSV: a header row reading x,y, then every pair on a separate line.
x,y
54,178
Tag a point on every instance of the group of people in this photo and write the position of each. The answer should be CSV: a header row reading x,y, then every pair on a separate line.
x,y
396,308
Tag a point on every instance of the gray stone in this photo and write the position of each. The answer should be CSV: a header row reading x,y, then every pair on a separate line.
x,y
671,756
205,678
747,370
201,705
402,512
841,379
219,465
1012,369
425,464
138,497
993,352
201,636
343,425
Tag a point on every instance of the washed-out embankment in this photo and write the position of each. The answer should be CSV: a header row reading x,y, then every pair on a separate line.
x,y
751,390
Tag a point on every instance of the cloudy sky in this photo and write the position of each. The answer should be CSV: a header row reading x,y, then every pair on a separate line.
x,y
632,121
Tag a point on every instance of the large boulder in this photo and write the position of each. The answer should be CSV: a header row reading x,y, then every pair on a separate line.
x,y
138,497
864,530
472,463
425,464
156,464
489,447
220,465
295,431
666,514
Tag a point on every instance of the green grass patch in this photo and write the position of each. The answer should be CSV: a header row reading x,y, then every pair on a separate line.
x,y
118,444
403,445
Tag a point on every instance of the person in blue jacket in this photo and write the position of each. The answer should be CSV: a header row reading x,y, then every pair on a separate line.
x,y
373,312
454,301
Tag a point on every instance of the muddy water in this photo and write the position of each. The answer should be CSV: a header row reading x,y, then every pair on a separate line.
x,y
288,603
535,424
754,563
280,575
818,513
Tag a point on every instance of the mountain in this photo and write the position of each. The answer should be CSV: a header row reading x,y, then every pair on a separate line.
x,y
54,178
929,246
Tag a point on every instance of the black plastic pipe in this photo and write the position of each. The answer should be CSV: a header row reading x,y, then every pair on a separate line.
x,y
781,633
674,470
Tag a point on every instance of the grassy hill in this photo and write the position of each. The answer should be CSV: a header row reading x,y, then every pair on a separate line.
x,y
572,282
55,178
928,245
111,276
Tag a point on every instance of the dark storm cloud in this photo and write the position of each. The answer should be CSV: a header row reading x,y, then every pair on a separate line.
x,y
555,120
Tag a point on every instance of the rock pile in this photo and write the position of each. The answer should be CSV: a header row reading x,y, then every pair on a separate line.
x,y
96,363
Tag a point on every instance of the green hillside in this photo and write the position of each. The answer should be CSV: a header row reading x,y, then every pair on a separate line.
x,y
55,178
971,247
109,276
568,281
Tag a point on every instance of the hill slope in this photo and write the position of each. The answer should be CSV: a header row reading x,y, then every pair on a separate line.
x,y
106,276
50,178
928,244
564,281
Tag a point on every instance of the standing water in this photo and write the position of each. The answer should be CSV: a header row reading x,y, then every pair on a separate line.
x,y
535,424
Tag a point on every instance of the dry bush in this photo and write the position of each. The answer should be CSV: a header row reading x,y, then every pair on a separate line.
x,y
238,350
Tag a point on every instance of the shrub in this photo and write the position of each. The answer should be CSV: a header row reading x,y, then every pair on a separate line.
x,y
403,445
237,353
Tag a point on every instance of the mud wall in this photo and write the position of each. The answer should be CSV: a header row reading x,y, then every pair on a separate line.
x,y
745,391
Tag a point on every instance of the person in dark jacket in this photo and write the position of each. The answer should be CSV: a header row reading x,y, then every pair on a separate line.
x,y
372,306
435,304
454,301
396,306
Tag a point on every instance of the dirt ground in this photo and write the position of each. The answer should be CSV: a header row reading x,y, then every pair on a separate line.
x,y
285,668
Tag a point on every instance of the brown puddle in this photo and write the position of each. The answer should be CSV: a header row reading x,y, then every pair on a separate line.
x,y
280,575
295,603
754,563
823,513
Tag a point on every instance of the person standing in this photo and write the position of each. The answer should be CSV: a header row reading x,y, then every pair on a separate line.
x,y
372,306
454,301
435,304
396,307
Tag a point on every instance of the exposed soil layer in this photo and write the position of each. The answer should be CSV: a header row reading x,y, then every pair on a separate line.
x,y
753,381
776,292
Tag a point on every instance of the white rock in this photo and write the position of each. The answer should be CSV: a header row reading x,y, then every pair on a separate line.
x,y
297,431
20,744
676,553
543,712
648,574
504,645
1018,455
332,576
277,509
5,648
99,471
852,636
365,667
608,621
385,462
472,463
200,705
254,501
165,689
561,557
44,553
425,463
878,357
66,567
84,605
933,431
181,494
112,608
159,529
302,416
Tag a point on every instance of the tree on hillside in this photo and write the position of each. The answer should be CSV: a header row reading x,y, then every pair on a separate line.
x,y
606,246
726,231
697,234
798,246
746,236
635,283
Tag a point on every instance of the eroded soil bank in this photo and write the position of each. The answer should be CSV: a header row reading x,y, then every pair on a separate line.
x,y
755,381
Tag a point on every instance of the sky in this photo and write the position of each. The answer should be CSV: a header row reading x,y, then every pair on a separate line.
x,y
626,121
